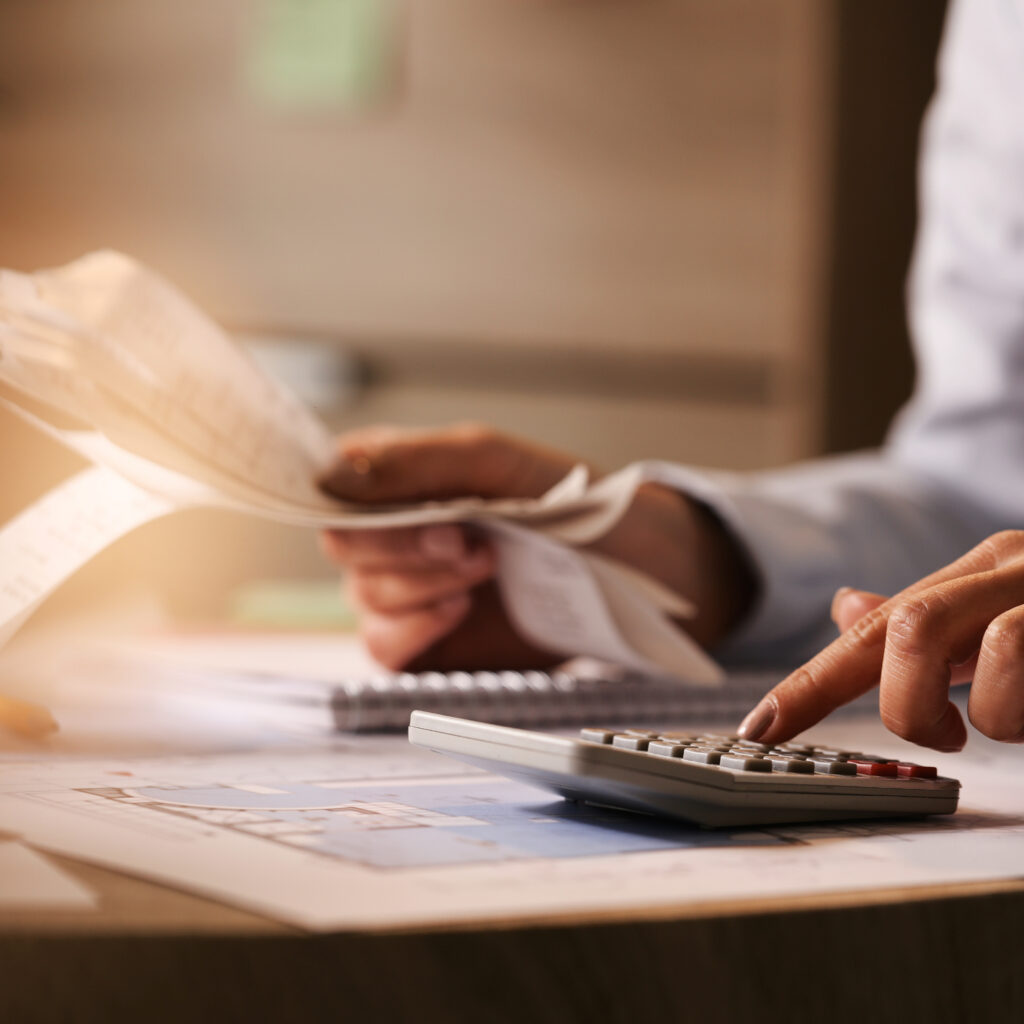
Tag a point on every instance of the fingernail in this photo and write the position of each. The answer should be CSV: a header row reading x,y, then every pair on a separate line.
x,y
444,543
349,475
756,724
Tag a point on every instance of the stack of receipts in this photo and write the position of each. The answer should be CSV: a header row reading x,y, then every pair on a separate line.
x,y
175,415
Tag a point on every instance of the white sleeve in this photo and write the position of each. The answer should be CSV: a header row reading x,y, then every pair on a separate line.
x,y
952,471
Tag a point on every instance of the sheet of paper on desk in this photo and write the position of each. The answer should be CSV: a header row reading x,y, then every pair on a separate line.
x,y
182,417
29,881
373,834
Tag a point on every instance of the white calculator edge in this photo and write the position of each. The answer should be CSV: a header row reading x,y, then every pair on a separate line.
x,y
707,795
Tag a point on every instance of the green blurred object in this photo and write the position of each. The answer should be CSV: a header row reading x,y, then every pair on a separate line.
x,y
291,604
323,54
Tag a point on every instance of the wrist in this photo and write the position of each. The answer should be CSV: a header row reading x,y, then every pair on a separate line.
x,y
685,546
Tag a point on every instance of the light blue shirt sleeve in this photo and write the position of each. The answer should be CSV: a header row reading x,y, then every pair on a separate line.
x,y
952,470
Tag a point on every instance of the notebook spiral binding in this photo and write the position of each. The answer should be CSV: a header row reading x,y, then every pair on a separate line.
x,y
537,699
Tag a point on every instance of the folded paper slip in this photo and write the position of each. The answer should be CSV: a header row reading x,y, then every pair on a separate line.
x,y
175,415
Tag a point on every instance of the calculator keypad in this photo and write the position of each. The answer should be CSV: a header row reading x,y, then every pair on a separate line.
x,y
741,755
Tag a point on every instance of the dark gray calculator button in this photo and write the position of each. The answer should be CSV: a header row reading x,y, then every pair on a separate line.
x,y
677,737
745,764
661,748
760,748
702,755
797,748
828,766
597,735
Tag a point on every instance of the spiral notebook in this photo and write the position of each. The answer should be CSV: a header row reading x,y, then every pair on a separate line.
x,y
531,699
325,681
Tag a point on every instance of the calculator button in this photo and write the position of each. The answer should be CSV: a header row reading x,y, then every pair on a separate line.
x,y
791,764
626,741
796,748
677,737
702,755
906,770
829,766
597,735
744,763
757,748
875,768
661,748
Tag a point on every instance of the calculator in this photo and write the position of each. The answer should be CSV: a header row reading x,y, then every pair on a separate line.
x,y
709,779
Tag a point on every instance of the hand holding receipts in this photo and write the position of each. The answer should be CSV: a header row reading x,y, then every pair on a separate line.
x,y
179,417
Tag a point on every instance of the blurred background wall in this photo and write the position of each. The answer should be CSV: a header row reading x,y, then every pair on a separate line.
x,y
663,228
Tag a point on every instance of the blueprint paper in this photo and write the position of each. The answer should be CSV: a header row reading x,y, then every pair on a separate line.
x,y
374,834
29,881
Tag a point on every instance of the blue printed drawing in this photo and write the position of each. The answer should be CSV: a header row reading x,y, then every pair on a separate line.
x,y
435,823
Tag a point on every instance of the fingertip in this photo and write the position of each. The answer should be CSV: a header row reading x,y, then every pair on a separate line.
x,y
948,734
759,720
396,640
349,476
332,545
954,731
838,599
850,605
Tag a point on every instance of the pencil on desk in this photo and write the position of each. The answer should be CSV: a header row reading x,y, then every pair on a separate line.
x,y
26,719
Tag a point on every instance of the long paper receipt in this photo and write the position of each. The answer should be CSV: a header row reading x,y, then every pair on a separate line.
x,y
174,414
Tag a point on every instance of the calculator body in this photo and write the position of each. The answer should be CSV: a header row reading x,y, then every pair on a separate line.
x,y
709,795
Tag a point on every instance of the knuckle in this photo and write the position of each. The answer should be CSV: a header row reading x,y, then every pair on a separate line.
x,y
473,434
915,621
999,545
1005,635
869,628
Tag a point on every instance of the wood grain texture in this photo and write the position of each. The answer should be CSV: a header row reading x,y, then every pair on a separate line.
x,y
942,956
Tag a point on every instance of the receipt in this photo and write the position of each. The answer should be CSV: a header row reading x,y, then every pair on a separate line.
x,y
175,415
53,538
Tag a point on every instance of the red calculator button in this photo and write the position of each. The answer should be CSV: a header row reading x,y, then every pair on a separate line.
x,y
874,768
906,770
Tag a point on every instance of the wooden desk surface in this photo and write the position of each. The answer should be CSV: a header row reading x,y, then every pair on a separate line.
x,y
153,954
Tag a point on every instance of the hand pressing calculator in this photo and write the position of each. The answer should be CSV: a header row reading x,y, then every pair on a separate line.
x,y
710,779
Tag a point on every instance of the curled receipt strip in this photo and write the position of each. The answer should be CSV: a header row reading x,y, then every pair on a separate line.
x,y
179,416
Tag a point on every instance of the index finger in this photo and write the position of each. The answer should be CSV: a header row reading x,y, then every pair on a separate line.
x,y
851,665
465,460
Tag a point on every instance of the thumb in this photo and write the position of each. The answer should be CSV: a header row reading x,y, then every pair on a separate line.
x,y
849,605
389,464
